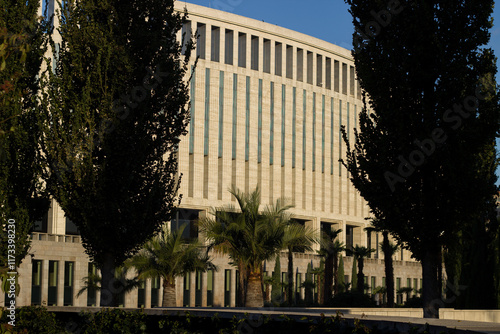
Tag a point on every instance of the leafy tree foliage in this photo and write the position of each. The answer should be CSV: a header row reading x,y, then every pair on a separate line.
x,y
22,196
431,110
115,108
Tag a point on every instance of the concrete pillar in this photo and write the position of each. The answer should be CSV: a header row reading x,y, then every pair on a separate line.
x,y
147,293
45,282
232,302
179,290
204,289
192,289
60,283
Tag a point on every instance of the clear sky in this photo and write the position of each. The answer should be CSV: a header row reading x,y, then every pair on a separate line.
x,y
328,20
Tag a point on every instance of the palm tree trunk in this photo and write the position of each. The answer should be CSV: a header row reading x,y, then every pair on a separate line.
x,y
254,296
169,296
389,269
242,286
290,277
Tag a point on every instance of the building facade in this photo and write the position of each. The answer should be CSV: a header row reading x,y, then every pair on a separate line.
x,y
267,107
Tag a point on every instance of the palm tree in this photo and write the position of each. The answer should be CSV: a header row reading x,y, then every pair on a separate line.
x,y
360,252
168,255
297,238
330,249
249,237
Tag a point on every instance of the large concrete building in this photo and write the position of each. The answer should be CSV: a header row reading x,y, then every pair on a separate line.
x,y
267,106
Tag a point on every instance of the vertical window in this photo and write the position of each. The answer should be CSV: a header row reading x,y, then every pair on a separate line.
x,y
349,238
71,228
340,136
215,51
289,62
242,49
271,127
229,46
227,287
141,294
267,55
277,58
235,115
36,282
304,142
221,113
351,80
369,241
294,120
328,73
155,292
344,79
347,128
319,70
191,107
201,40
197,299
314,133
259,135
331,136
336,76
309,67
92,290
186,296
254,53
300,65
52,288
358,89
210,288
207,112
247,121
373,284
69,269
55,58
355,116
283,98
186,35
323,134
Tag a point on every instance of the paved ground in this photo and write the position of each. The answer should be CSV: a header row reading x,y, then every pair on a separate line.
x,y
401,324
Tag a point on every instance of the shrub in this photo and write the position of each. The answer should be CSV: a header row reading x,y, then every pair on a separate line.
x,y
351,299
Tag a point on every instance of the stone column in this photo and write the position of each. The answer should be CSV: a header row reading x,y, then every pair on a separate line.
x,y
192,289
60,283
147,293
45,282
204,289
232,302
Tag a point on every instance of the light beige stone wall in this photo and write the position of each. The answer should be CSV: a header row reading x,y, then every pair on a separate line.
x,y
320,192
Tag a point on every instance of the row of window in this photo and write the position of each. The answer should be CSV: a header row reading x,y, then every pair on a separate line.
x,y
293,57
53,283
285,110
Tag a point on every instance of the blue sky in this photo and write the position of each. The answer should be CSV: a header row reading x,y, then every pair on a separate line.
x,y
328,20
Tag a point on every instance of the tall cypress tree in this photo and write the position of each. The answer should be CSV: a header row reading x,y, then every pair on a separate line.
x,y
431,109
22,196
116,107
